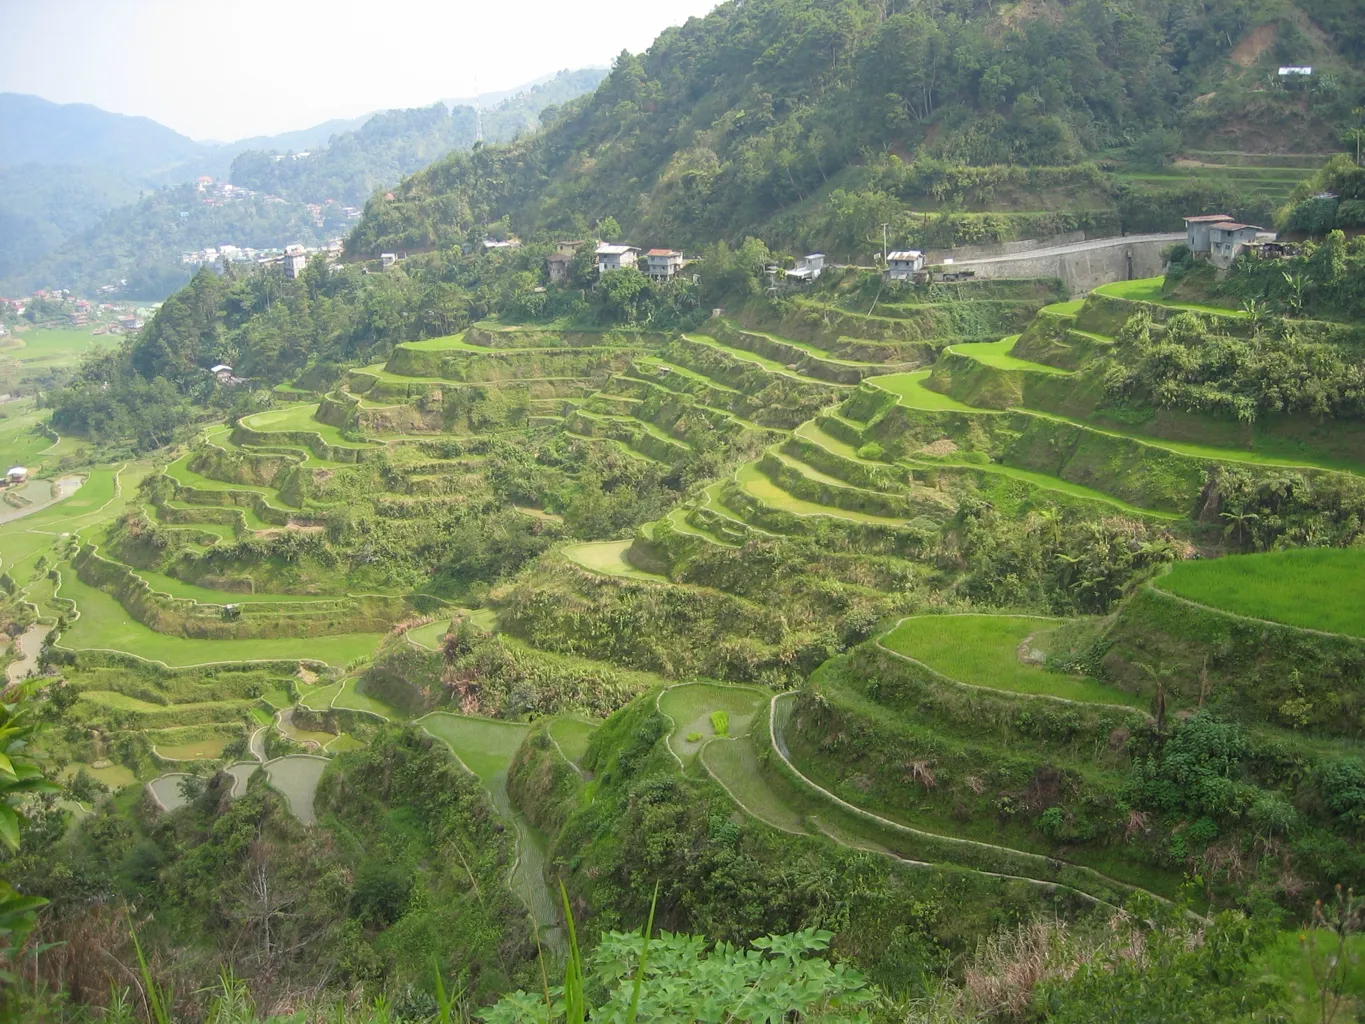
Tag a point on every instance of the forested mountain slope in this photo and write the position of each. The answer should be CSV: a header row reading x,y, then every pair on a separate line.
x,y
738,120
396,143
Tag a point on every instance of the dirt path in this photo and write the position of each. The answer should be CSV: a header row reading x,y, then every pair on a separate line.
x,y
257,744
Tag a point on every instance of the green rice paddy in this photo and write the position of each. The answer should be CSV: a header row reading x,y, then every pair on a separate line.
x,y
996,354
103,624
1044,481
161,583
572,735
909,389
691,705
20,443
429,636
298,419
349,696
115,776
1312,588
1068,308
756,483
208,749
301,735
983,650
735,765
45,349
608,557
485,745
448,343
1148,289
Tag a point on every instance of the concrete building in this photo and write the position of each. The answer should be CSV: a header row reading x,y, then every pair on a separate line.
x,y
807,268
663,264
1226,241
387,259
1197,231
615,257
903,264
557,266
295,261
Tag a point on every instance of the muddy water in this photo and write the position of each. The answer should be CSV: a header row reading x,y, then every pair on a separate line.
x,y
29,643
40,494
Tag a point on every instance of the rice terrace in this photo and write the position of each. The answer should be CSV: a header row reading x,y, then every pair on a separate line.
x,y
714,549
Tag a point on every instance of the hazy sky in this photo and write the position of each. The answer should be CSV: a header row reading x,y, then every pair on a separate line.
x,y
235,68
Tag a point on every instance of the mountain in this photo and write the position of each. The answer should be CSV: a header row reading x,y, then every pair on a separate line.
x,y
816,122
352,165
34,130
51,231
41,205
395,143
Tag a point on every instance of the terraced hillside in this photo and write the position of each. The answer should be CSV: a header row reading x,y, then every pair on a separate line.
x,y
1270,177
943,586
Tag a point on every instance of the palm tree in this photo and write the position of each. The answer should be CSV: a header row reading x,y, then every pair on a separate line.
x,y
1356,133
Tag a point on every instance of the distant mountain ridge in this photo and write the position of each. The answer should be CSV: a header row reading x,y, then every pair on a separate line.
x,y
62,222
35,130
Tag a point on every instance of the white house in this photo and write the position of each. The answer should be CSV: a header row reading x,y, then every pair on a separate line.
x,y
295,260
663,264
506,243
387,259
902,264
807,268
615,257
16,475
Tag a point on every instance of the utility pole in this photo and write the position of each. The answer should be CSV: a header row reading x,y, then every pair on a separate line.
x,y
478,112
884,227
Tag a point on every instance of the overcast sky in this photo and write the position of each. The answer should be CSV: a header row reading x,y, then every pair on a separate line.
x,y
236,68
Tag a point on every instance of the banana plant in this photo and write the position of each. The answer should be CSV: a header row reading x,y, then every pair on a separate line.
x,y
20,777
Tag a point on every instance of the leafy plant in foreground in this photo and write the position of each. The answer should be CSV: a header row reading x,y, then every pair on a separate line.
x,y
20,777
675,978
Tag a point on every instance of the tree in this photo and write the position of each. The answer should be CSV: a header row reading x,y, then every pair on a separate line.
x,y
608,229
1355,134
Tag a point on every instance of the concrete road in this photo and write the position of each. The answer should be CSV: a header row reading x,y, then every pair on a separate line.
x,y
1074,247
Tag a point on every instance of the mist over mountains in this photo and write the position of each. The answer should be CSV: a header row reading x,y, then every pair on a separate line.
x,y
80,202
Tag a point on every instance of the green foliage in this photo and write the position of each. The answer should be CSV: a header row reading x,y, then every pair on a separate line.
x,y
720,723
1187,365
1178,980
1195,771
683,980
811,101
